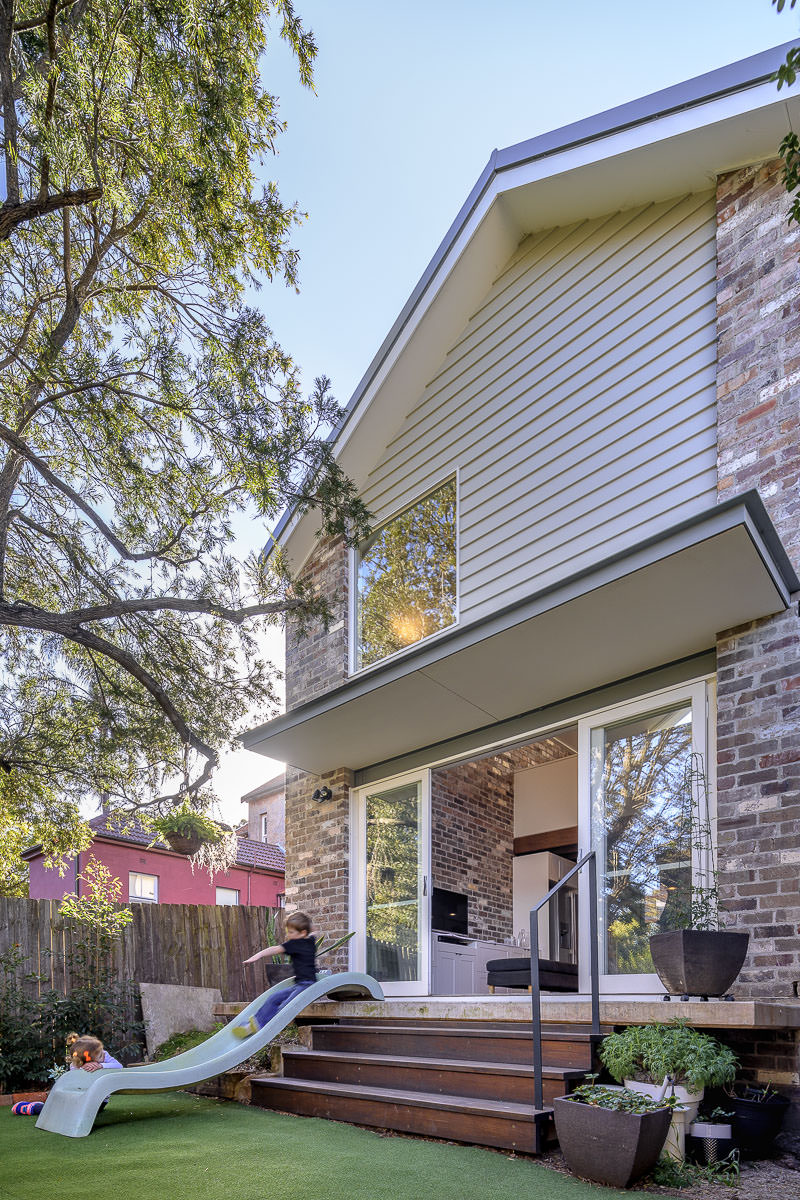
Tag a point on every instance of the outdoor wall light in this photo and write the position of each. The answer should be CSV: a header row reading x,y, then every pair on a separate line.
x,y
323,793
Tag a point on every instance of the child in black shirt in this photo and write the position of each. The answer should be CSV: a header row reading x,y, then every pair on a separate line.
x,y
301,948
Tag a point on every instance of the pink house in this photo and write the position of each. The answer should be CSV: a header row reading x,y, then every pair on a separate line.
x,y
156,874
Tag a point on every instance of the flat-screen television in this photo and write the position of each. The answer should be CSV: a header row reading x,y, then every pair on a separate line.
x,y
449,912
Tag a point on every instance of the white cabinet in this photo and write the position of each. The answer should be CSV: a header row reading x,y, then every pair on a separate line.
x,y
459,964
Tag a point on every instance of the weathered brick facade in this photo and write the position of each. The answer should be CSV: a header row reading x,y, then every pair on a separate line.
x,y
318,835
758,765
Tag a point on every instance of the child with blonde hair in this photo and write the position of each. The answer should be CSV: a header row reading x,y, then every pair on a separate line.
x,y
89,1054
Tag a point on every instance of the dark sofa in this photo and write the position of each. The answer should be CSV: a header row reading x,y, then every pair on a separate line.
x,y
516,973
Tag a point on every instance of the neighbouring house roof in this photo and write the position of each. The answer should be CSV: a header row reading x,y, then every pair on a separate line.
x,y
669,143
262,856
278,784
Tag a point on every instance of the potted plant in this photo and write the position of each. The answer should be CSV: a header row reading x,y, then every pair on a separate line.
x,y
611,1135
709,1138
699,959
674,1059
186,829
758,1112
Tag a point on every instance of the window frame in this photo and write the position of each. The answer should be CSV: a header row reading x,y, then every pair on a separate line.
x,y
264,818
352,580
143,899
227,903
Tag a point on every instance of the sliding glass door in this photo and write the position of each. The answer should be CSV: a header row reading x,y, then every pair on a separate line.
x,y
642,768
390,898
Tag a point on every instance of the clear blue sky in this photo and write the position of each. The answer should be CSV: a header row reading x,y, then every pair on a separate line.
x,y
411,99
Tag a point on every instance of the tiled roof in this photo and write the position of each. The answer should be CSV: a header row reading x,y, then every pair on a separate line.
x,y
270,788
248,853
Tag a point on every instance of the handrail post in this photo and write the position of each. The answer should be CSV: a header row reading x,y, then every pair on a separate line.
x,y
593,946
589,860
536,1013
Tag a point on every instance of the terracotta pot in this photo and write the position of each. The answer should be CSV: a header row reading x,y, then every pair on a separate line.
x,y
698,962
614,1148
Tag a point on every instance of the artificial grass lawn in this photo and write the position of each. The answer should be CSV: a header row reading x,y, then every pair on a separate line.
x,y
186,1147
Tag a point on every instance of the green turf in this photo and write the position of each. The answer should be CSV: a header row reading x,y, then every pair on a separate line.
x,y
185,1147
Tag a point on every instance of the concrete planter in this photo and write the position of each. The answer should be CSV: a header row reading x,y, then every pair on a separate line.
x,y
698,962
277,972
682,1117
604,1146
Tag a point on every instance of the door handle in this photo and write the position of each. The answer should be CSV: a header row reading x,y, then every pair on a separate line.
x,y
424,885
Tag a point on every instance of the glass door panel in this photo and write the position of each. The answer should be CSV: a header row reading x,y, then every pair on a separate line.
x,y
642,763
392,892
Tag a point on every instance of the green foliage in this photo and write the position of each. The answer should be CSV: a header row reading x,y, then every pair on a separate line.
x,y
668,1172
179,1042
144,406
99,908
187,821
652,1052
618,1099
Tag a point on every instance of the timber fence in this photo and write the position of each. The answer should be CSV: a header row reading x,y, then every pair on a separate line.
x,y
201,945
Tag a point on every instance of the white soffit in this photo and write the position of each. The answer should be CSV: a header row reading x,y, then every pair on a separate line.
x,y
664,601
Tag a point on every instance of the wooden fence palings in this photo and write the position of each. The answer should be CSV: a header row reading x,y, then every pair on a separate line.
x,y
196,944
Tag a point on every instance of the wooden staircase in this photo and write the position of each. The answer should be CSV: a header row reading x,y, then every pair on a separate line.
x,y
463,1082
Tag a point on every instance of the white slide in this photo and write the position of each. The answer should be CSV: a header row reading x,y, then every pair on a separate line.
x,y
75,1098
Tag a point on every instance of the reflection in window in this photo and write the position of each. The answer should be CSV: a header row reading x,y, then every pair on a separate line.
x,y
393,820
641,827
406,587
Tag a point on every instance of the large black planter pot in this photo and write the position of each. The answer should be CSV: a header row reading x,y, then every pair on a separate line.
x,y
698,962
614,1148
756,1123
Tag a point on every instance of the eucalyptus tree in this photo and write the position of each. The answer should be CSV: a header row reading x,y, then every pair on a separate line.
x,y
144,403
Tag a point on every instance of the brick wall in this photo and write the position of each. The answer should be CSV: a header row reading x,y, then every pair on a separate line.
x,y
317,835
317,661
758,396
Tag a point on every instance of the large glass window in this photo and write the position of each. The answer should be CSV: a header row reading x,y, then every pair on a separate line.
x,y
406,578
394,882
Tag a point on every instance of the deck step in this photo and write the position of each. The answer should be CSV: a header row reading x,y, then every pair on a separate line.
x,y
512,1082
480,1122
573,1049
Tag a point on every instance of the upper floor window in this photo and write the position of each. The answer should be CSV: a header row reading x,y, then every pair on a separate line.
x,y
142,887
406,578
264,826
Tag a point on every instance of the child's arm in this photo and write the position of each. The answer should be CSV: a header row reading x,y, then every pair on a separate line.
x,y
265,953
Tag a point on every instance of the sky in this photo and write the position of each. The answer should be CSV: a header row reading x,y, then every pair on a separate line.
x,y
410,100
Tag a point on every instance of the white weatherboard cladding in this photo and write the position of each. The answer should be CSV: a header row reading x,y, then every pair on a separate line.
x,y
578,405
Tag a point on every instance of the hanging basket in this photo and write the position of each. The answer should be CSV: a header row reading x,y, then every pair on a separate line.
x,y
183,844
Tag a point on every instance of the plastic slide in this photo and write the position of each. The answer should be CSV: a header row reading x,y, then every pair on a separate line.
x,y
75,1098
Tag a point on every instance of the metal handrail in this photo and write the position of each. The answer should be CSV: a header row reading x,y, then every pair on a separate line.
x,y
536,995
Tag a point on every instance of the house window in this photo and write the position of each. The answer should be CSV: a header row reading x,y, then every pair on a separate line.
x,y
227,895
281,901
142,887
264,823
406,578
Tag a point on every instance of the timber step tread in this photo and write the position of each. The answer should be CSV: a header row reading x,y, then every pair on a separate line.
x,y
433,1029
464,1104
448,1064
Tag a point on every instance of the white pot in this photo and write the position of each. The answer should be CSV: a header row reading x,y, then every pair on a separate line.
x,y
675,1145
710,1129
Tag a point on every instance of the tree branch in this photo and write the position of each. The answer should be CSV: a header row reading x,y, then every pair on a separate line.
x,y
14,214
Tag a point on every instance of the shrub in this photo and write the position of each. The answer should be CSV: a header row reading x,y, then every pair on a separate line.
x,y
652,1052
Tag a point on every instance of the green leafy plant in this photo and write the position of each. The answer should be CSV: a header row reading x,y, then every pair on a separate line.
x,y
617,1099
180,1042
668,1172
651,1053
187,822
100,907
